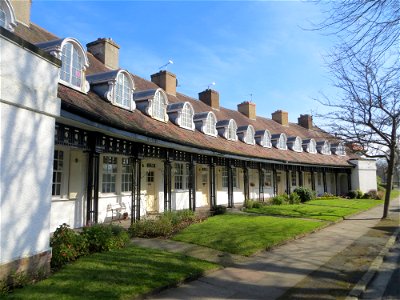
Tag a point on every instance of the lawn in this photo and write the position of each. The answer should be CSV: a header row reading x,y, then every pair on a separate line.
x,y
120,274
244,234
327,209
394,194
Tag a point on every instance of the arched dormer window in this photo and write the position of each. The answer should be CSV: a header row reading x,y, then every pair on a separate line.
x,y
324,147
339,149
310,146
181,114
116,86
73,62
227,129
206,123
153,103
263,138
246,134
295,143
159,105
279,141
7,16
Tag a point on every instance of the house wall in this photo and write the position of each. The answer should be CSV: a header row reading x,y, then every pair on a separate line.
x,y
28,108
363,176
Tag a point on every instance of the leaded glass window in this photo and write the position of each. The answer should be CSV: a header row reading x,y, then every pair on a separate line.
x,y
210,124
249,138
187,116
123,90
282,142
72,65
2,17
232,131
297,146
224,177
267,140
294,178
58,168
312,147
159,106
126,175
109,174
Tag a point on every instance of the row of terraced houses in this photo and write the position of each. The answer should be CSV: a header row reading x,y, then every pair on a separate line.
x,y
83,140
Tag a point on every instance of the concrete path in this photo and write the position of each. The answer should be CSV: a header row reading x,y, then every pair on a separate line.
x,y
267,275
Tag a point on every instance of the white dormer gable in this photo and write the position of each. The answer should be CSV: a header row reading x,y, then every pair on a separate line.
x,y
310,146
206,123
295,143
246,134
263,138
116,86
7,16
181,114
227,129
324,147
74,62
338,149
153,103
279,141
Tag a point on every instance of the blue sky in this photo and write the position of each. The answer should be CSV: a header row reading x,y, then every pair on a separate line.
x,y
252,47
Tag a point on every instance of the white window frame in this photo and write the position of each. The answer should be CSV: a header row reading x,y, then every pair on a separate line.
x,y
249,136
64,183
297,144
159,106
231,131
10,21
126,177
210,124
312,146
111,183
267,143
294,178
282,142
125,88
186,116
181,176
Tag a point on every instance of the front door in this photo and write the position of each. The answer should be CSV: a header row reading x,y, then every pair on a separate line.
x,y
151,193
203,186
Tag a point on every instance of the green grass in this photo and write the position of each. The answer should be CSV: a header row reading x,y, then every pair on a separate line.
x,y
119,274
324,209
394,194
243,234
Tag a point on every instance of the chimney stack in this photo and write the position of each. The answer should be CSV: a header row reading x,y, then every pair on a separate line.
x,y
165,80
210,97
305,121
282,117
22,10
105,50
248,108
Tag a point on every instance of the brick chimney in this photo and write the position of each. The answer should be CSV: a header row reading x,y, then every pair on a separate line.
x,y
165,80
282,117
305,121
210,97
105,50
22,10
248,109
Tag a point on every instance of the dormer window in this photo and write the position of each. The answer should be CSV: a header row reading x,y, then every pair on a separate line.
x,y
310,146
279,141
338,149
74,62
116,86
227,129
7,16
263,138
181,114
295,144
206,123
324,147
153,103
246,134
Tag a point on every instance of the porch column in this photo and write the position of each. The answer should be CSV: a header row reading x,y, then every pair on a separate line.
x,y
213,198
136,183
260,183
336,184
301,178
92,191
246,182
287,182
192,185
313,180
349,180
230,184
324,181
167,185
275,181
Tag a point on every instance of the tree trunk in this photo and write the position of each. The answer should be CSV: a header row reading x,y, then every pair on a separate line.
x,y
389,182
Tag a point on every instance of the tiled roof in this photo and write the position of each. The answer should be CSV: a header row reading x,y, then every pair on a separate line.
x,y
95,108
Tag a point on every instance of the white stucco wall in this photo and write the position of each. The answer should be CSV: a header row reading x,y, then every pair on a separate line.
x,y
363,176
28,108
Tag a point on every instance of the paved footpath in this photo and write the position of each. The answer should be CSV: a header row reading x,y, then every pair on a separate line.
x,y
268,274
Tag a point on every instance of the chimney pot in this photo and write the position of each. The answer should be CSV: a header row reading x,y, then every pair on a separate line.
x,y
210,97
105,50
305,121
282,117
165,80
248,108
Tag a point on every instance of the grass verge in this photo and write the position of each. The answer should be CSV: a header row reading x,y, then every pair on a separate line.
x,y
394,194
324,209
244,234
118,274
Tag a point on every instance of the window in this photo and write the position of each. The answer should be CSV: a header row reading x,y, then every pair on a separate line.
x,y
72,65
2,17
282,142
312,146
178,176
340,149
297,145
225,177
319,179
234,177
187,116
123,91
268,178
159,106
58,168
249,137
150,176
126,175
232,131
266,140
7,16
325,148
109,174
294,178
211,121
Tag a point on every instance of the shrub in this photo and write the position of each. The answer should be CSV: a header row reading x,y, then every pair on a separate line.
x,y
4,288
352,194
252,204
374,194
105,237
161,227
20,279
327,196
360,194
366,196
294,198
305,194
279,200
67,245
219,210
